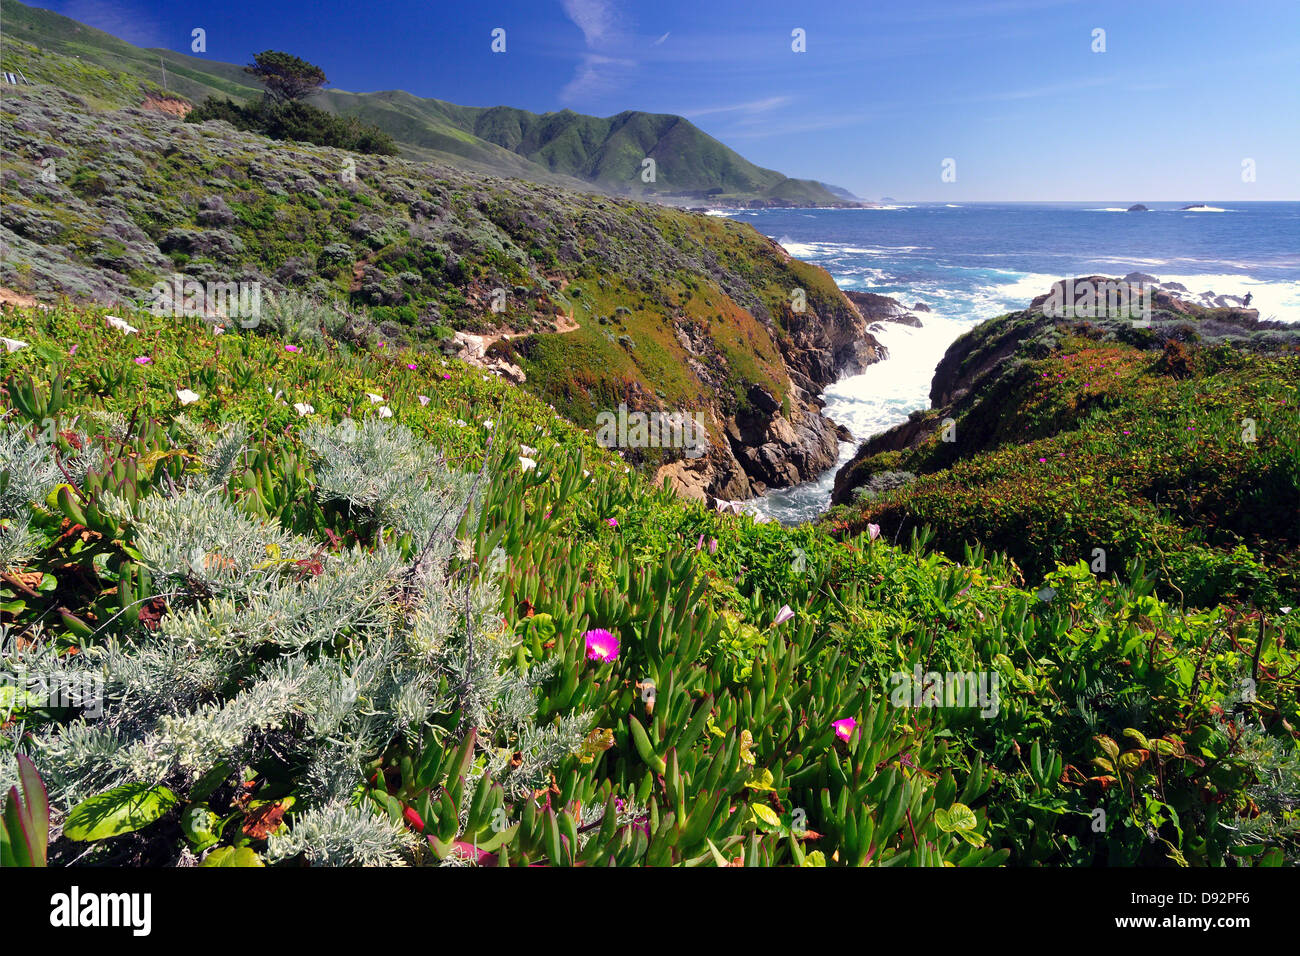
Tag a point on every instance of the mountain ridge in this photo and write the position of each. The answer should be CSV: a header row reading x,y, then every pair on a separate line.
x,y
559,148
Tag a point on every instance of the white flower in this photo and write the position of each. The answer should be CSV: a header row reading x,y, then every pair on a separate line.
x,y
488,424
13,345
120,324
374,399
527,464
302,408
586,473
186,396
218,330
525,450
385,412
424,399
462,423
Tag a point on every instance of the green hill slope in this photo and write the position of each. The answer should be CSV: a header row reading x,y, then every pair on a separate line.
x,y
563,148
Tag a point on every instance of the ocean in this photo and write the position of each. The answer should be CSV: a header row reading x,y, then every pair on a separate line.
x,y
972,261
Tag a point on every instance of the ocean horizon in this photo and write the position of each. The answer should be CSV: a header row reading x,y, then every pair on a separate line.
x,y
969,262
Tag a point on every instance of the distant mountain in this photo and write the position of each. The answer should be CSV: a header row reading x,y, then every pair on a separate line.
x,y
842,192
564,148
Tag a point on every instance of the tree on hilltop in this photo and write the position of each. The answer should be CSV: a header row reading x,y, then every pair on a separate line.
x,y
286,77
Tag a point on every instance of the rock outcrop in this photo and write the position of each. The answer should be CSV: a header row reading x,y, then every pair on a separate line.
x,y
984,363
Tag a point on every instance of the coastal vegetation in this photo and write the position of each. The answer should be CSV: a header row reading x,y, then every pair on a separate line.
x,y
701,689
310,584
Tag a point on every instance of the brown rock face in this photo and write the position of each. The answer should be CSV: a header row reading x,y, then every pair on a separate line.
x,y
166,104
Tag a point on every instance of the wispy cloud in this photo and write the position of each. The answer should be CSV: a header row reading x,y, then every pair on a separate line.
x,y
595,18
596,74
751,107
600,68
123,20
662,38
1034,92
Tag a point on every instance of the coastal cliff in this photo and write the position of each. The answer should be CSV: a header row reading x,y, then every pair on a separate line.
x,y
590,302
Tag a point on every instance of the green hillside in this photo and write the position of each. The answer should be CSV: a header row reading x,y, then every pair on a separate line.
x,y
563,148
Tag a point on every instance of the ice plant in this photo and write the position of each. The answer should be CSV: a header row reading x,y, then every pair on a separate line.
x,y
844,727
292,348
612,522
302,408
13,345
120,324
601,645
527,464
873,531
424,399
186,396
783,615
143,360
414,819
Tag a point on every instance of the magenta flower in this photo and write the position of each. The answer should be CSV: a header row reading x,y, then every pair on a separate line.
x,y
292,348
601,645
783,615
612,522
411,365
873,531
713,546
844,727
72,351
143,360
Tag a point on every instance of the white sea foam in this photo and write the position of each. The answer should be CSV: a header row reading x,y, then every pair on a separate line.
x,y
875,401
1274,300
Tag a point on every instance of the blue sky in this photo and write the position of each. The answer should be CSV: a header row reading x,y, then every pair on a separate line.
x,y
1011,90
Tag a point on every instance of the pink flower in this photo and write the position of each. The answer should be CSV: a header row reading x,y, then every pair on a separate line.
x,y
612,522
844,727
143,360
601,645
292,348
446,376
1042,460
713,546
411,365
72,351
873,531
783,615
